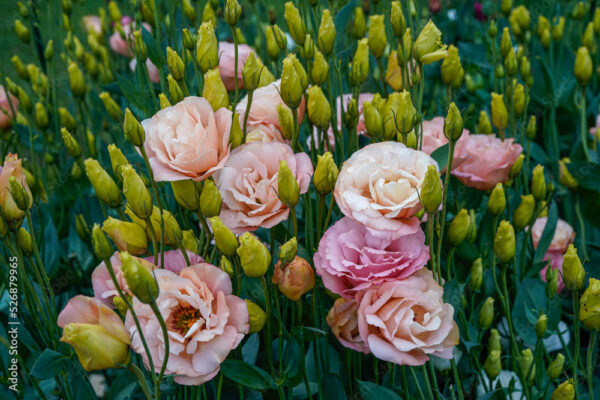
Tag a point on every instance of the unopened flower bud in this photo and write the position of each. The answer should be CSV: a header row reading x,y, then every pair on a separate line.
x,y
226,266
214,90
526,365
494,341
476,276
360,63
499,113
538,183
431,191
326,36
254,255
486,313
175,64
484,125
516,168
551,282
558,29
188,39
209,14
137,194
325,175
493,364
359,24
295,278
22,31
207,48
505,43
175,92
81,227
225,240
139,279
524,212
288,190
117,160
66,119
565,177
373,120
288,251
187,193
127,236
377,40
564,391
588,39
583,66
459,228
232,13
163,101
286,121
291,88
519,100
573,272
111,106
320,69
319,110
453,124
256,317
19,67
531,129
134,132
428,47
189,241
105,187
406,113
76,80
451,68
210,199
24,241
295,23
70,143
540,325
100,244
273,49
504,242
397,19
556,367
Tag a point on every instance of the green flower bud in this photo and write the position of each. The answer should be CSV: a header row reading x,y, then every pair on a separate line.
x,y
319,110
188,39
286,121
453,124
288,251
325,175
207,47
139,46
428,47
291,87
484,125
459,228
100,244
326,36
377,40
70,143
210,199
545,38
397,19
24,241
540,325
472,234
254,256
373,120
406,113
320,69
360,63
452,70
476,276
538,183
136,193
359,24
505,43
519,100
114,12
564,391
280,37
494,341
492,29
214,90
175,91
105,187
226,266
111,106
66,119
558,29
431,191
405,49
265,76
139,279
164,101
515,170
187,193
273,49
524,212
81,227
526,365
127,236
493,364
504,242
22,31
76,80
565,177
251,73
295,23
19,67
49,50
573,272
551,282
175,64
232,13
117,160
23,11
583,66
256,317
556,367
288,190
486,313
531,129
209,15
225,240
525,68
134,132
588,39
41,116
499,113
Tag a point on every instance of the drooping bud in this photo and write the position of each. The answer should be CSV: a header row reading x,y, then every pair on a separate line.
x,y
207,47
70,143
295,23
105,187
134,132
127,236
210,199
256,317
565,177
524,212
111,106
453,124
504,242
573,272
214,90
254,255
139,279
225,240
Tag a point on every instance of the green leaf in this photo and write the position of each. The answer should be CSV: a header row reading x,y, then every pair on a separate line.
x,y
440,155
452,293
530,303
587,174
247,375
548,233
369,390
48,364
333,388
250,349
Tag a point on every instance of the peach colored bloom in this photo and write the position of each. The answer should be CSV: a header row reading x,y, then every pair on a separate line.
x,y
104,288
378,186
12,167
433,135
406,321
187,140
227,63
124,45
294,279
264,133
482,161
6,111
153,72
342,318
263,109
92,23
205,322
564,235
248,184
351,258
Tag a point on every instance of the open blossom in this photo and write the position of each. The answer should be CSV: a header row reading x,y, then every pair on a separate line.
x,y
351,258
124,45
379,186
263,110
564,235
248,184
342,318
104,288
406,321
264,133
205,322
433,135
6,111
187,140
482,161
227,63
153,72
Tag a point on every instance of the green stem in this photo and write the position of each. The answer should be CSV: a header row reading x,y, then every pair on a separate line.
x,y
575,296
235,42
268,338
583,125
155,248
382,76
250,94
581,230
294,221
444,196
163,326
134,369
590,362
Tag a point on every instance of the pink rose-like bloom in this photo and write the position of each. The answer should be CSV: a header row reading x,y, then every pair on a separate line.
x,y
121,45
263,110
187,140
351,258
564,235
482,161
433,135
6,112
205,322
153,72
104,288
342,318
92,23
378,186
406,321
227,67
88,310
264,133
248,184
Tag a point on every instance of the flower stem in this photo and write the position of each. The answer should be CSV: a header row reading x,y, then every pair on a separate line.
x,y
575,295
163,326
590,362
134,369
